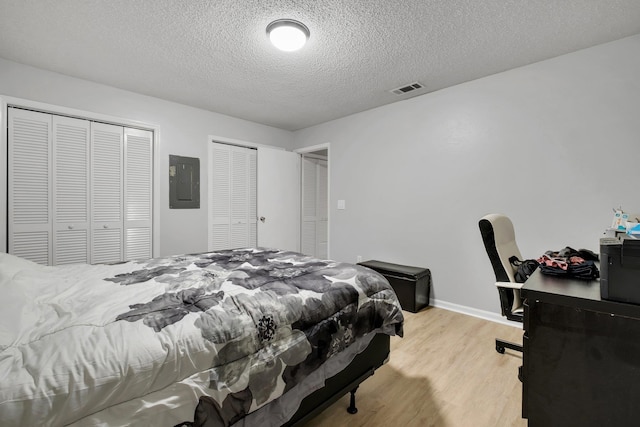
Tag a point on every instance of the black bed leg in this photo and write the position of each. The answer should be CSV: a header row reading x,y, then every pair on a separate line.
x,y
352,402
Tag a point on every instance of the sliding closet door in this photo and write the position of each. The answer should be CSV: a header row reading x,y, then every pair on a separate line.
x,y
232,197
106,193
29,182
138,154
70,190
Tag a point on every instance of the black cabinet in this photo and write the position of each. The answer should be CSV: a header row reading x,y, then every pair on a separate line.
x,y
581,359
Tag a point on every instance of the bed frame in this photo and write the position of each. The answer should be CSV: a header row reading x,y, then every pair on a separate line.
x,y
345,381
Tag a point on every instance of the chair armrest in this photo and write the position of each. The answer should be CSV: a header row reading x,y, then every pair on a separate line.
x,y
511,285
516,306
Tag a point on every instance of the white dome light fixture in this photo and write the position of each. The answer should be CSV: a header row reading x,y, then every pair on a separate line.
x,y
287,34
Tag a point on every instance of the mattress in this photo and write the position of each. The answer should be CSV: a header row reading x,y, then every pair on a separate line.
x,y
174,404
238,327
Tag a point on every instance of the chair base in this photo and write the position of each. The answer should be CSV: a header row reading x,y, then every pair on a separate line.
x,y
501,345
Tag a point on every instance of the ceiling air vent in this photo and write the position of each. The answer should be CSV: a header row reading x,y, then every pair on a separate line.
x,y
406,89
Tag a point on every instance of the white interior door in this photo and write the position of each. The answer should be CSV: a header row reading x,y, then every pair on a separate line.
x,y
315,213
278,199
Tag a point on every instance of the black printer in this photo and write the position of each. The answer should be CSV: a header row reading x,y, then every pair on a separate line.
x,y
620,269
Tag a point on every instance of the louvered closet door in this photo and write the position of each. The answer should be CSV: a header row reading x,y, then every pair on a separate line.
x,y
106,193
232,205
29,185
241,203
220,197
137,193
70,190
252,218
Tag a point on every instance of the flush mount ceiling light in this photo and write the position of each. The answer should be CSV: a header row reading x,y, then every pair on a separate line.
x,y
288,34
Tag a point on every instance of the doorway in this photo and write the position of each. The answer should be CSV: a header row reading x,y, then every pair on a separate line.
x,y
254,196
314,221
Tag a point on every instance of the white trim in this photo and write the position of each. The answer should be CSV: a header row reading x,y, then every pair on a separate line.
x,y
314,156
73,112
470,311
240,142
3,176
313,148
156,191
6,101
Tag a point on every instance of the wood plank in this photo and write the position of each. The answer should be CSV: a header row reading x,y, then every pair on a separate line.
x,y
445,372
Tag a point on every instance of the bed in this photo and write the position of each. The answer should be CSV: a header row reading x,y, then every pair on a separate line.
x,y
244,337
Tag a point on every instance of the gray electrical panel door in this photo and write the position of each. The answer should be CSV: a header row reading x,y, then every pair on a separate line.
x,y
184,182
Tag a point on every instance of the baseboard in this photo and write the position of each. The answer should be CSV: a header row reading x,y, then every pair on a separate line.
x,y
487,315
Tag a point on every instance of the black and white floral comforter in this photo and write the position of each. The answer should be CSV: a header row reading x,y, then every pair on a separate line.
x,y
77,339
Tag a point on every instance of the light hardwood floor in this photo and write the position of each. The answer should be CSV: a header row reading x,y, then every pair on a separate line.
x,y
445,372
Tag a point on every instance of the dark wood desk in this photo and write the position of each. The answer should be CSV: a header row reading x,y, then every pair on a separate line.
x,y
581,359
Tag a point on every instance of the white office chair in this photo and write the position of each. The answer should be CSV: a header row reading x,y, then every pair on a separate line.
x,y
500,242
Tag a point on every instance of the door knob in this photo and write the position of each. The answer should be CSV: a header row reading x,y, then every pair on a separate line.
x,y
263,219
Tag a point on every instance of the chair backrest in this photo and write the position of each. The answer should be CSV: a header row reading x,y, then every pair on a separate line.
x,y
499,240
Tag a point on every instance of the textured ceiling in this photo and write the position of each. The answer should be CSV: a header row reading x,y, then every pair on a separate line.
x,y
215,55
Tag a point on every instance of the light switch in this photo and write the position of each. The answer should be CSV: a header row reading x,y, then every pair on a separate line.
x,y
342,204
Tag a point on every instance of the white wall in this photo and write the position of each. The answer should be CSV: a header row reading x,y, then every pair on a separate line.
x,y
554,145
183,131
